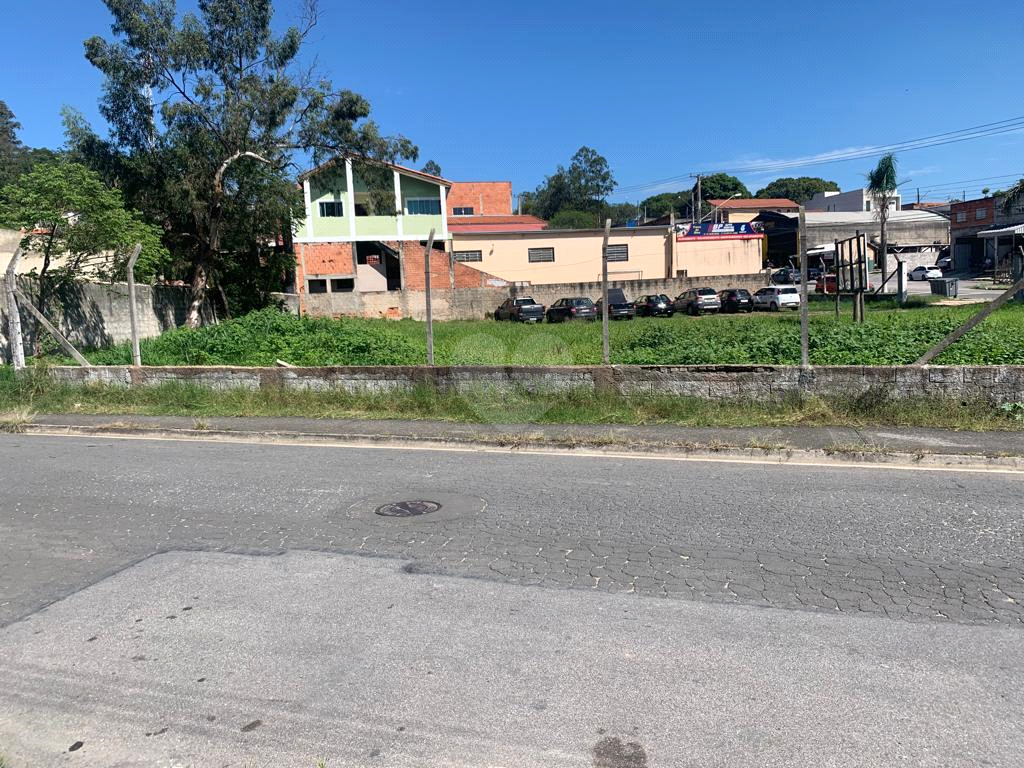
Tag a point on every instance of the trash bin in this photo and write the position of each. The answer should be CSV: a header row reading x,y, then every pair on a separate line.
x,y
945,286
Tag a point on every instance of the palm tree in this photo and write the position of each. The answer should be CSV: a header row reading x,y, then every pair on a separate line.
x,y
882,186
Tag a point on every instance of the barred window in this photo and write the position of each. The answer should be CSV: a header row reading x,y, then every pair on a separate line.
x,y
535,255
618,253
331,209
469,256
462,211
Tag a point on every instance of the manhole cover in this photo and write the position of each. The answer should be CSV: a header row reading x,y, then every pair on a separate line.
x,y
407,508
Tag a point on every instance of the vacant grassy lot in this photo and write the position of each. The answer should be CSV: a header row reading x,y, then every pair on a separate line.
x,y
888,337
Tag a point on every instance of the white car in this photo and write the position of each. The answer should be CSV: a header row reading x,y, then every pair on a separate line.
x,y
925,273
776,297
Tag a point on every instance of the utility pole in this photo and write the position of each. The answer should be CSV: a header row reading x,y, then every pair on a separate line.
x,y
132,310
699,205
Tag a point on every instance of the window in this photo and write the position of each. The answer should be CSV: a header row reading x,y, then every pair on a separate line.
x,y
462,211
316,286
961,217
981,213
423,206
867,205
331,208
618,253
469,256
535,255
342,284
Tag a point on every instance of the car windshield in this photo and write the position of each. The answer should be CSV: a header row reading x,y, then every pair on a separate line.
x,y
706,291
582,302
524,302
742,293
663,297
787,290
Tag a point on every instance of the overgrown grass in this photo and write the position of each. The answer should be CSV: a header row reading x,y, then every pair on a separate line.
x,y
889,337
32,394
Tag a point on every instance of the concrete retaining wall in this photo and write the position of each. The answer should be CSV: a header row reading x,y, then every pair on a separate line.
x,y
995,384
475,303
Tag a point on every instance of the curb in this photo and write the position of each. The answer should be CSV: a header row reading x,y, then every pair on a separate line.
x,y
852,455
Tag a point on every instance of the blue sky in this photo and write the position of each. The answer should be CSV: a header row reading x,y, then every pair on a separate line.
x,y
662,89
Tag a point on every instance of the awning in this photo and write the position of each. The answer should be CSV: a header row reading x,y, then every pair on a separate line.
x,y
1017,230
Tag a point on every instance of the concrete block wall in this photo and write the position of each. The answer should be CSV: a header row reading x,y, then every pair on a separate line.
x,y
993,384
96,314
469,302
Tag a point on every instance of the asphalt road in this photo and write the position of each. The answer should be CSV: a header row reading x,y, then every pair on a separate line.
x,y
910,583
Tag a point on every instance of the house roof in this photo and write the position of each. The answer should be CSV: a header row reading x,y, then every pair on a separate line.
x,y
400,168
1012,230
869,217
753,203
495,224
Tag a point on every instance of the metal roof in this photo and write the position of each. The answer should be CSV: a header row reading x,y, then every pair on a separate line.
x,y
1017,230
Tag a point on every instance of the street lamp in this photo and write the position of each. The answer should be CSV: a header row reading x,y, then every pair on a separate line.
x,y
715,209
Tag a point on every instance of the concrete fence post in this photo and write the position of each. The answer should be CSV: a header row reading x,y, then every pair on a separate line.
x,y
14,336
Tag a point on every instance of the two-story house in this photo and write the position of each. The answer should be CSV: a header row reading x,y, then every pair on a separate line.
x,y
983,235
352,239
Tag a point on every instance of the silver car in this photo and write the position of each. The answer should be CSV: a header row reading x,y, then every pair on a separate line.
x,y
776,297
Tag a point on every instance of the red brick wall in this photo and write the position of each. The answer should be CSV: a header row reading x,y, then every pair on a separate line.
x,y
971,208
465,277
327,258
486,198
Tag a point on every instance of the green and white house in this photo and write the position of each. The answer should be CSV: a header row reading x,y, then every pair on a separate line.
x,y
342,245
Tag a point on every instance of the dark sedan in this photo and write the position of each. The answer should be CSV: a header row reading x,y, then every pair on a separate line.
x,y
654,305
573,308
736,300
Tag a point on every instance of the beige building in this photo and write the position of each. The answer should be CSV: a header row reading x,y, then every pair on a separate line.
x,y
574,256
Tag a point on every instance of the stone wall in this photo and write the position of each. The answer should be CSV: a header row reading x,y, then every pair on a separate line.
x,y
96,314
994,384
475,303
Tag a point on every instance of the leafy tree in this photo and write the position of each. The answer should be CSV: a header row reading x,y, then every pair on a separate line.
x,y
432,168
569,219
719,186
882,188
799,189
76,224
661,205
208,113
619,213
1013,197
580,187
12,153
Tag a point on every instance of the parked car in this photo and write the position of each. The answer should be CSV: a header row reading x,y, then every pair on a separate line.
x,y
945,263
785,276
618,307
736,300
776,297
814,274
697,301
522,309
654,305
572,308
925,273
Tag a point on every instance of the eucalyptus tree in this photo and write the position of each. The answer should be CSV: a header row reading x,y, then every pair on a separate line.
x,y
214,110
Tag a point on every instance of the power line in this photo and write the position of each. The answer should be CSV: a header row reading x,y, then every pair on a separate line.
x,y
984,130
